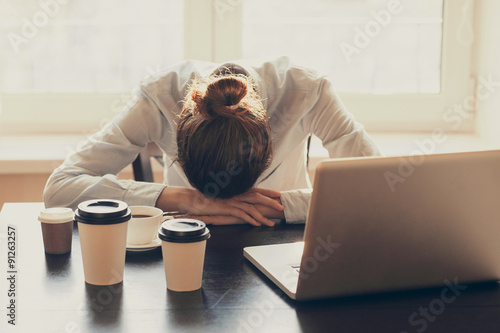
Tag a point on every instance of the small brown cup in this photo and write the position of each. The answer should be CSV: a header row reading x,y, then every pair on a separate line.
x,y
57,229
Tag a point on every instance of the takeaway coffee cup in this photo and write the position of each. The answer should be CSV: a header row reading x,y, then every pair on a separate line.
x,y
144,224
183,248
102,225
57,229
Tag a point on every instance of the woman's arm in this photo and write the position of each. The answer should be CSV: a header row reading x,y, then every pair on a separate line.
x,y
255,207
90,172
337,128
340,134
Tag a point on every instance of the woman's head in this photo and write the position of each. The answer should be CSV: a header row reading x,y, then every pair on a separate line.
x,y
223,136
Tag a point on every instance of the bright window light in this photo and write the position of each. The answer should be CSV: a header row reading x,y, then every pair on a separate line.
x,y
56,46
365,46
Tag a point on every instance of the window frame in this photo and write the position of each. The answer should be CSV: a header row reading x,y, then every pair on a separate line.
x,y
422,112
427,112
213,32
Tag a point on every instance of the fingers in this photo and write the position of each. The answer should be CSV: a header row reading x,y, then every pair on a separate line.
x,y
218,219
238,209
207,219
222,220
255,197
244,216
251,210
266,192
241,211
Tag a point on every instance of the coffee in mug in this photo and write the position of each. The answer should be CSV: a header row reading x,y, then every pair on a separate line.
x,y
144,224
102,225
183,248
57,229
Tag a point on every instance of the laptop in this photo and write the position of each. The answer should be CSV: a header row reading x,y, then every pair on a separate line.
x,y
380,224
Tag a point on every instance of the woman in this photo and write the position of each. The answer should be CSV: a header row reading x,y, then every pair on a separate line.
x,y
233,138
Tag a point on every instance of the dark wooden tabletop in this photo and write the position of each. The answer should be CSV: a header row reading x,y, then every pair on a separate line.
x,y
51,295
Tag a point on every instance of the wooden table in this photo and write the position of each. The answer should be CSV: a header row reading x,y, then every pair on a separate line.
x,y
51,295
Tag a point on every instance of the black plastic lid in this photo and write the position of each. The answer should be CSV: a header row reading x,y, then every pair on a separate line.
x,y
183,230
102,211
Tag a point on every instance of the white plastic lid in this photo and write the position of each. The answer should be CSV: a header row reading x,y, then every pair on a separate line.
x,y
56,215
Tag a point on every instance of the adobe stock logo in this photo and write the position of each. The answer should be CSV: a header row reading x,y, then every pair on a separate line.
x,y
225,6
453,118
419,320
323,251
264,309
30,26
221,179
371,30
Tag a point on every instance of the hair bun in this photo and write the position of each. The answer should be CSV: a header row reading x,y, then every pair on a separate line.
x,y
222,115
222,97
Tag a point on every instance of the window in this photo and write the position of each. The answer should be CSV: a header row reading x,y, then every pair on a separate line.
x,y
397,64
87,47
370,47
66,64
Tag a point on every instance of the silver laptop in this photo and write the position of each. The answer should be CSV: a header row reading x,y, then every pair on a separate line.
x,y
391,223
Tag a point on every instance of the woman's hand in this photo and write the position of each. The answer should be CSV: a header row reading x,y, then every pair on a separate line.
x,y
245,208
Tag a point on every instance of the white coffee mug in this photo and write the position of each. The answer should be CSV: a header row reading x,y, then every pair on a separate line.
x,y
144,224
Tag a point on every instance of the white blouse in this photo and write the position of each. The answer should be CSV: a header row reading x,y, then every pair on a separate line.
x,y
299,102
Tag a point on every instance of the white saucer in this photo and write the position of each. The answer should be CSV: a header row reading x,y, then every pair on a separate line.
x,y
144,247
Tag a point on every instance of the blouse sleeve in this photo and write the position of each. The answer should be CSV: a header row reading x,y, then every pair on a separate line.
x,y
90,172
340,134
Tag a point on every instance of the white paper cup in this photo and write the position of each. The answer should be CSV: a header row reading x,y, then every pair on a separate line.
x,y
144,224
183,248
102,225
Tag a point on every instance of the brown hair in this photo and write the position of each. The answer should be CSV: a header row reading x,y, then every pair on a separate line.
x,y
223,136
